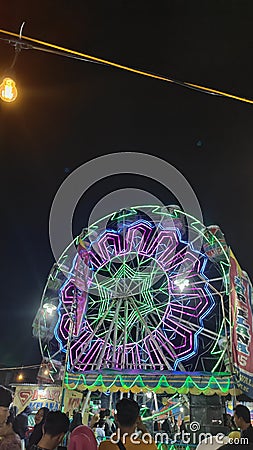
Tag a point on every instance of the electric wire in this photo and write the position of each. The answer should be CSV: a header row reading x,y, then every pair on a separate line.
x,y
88,58
34,366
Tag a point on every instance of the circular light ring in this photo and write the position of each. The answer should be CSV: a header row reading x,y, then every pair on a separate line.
x,y
136,254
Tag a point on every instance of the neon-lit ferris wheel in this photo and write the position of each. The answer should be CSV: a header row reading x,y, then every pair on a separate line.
x,y
145,290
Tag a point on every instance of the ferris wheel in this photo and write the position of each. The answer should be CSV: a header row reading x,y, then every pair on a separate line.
x,y
145,290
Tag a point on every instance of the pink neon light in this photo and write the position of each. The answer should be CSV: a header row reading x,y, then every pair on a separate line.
x,y
166,239
174,328
164,246
115,239
198,310
145,232
138,355
155,352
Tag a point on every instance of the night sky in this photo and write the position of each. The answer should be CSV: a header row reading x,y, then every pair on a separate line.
x,y
69,112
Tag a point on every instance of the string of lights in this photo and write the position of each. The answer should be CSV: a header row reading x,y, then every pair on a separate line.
x,y
34,366
45,46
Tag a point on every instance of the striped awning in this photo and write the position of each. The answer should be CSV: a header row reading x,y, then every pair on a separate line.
x,y
158,382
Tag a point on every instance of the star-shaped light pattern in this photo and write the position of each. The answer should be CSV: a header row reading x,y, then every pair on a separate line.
x,y
142,297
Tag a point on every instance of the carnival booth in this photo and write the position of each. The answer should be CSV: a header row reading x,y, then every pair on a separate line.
x,y
145,300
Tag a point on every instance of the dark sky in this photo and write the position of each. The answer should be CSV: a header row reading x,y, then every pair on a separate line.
x,y
69,112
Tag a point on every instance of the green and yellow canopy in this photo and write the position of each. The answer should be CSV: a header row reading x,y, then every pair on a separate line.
x,y
158,382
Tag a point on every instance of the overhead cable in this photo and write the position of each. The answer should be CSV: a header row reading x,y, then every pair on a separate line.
x,y
56,49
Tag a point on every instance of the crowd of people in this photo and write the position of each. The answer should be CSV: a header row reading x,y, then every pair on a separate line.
x,y
124,432
49,430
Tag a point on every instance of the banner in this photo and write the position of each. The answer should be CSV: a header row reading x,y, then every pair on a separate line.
x,y
72,400
36,397
241,326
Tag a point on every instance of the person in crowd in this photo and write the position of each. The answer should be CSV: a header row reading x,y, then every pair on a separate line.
x,y
109,423
229,422
128,420
12,414
182,428
169,425
99,430
166,425
82,438
55,427
242,421
94,419
8,439
76,421
37,432
20,425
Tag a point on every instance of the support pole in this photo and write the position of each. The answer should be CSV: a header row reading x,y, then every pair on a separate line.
x,y
110,401
155,402
71,328
86,403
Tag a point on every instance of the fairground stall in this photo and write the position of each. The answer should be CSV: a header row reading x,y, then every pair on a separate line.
x,y
150,301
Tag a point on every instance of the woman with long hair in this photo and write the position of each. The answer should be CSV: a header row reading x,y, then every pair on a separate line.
x,y
37,433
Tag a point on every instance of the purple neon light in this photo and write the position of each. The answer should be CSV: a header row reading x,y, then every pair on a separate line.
x,y
163,246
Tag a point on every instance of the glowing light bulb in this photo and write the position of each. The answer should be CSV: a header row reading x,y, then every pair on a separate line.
x,y
182,283
49,307
8,90
20,377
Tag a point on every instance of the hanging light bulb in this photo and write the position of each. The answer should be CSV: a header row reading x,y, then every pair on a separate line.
x,y
20,376
50,304
8,90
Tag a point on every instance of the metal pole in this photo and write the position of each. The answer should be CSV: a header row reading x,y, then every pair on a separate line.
x,y
110,401
86,403
155,402
67,354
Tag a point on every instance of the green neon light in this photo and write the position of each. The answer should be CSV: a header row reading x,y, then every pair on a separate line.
x,y
148,305
219,360
122,215
189,383
216,345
